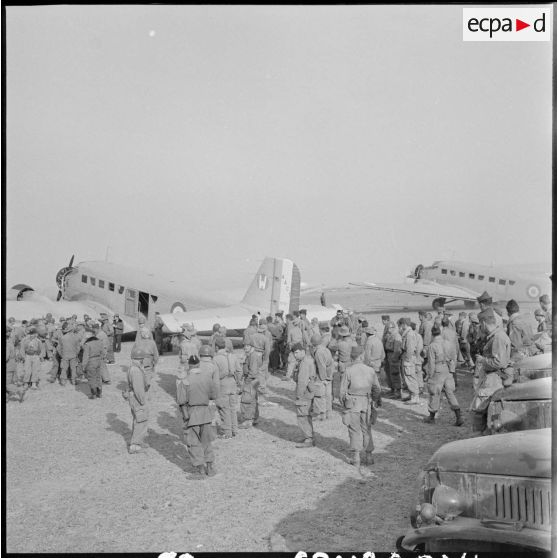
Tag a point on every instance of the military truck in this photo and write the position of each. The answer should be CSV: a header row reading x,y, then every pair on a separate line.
x,y
521,406
485,494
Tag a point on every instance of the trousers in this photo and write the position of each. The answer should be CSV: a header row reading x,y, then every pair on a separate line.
x,y
395,374
66,363
249,408
438,383
358,421
93,373
226,404
198,440
139,428
304,417
410,375
31,368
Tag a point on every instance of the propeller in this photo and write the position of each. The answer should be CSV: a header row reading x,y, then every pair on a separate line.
x,y
61,275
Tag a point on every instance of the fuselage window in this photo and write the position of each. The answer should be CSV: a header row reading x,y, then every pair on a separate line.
x,y
444,271
471,275
92,279
111,286
120,289
512,282
101,284
84,278
481,277
501,281
461,274
452,272
492,279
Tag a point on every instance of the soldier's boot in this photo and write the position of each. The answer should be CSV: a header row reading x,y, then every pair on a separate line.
x,y
93,394
396,394
22,392
368,458
210,469
307,443
99,392
431,418
458,417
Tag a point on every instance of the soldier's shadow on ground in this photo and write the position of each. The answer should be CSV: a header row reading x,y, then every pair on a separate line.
x,y
167,382
169,444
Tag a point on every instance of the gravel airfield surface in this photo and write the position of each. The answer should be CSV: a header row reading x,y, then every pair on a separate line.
x,y
73,487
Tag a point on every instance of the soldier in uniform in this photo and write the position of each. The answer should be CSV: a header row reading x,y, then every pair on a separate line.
x,y
408,360
10,355
118,328
250,330
295,336
102,336
310,394
393,357
360,391
324,369
69,347
439,379
374,352
449,335
520,333
109,331
546,307
136,394
249,408
343,357
385,334
33,352
230,375
158,332
149,348
492,370
187,348
198,432
93,355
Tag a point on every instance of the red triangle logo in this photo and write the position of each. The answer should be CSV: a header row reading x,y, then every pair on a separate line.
x,y
519,25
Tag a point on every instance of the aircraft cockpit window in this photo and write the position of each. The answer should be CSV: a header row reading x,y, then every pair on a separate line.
x,y
84,278
101,284
461,274
111,286
502,282
92,279
444,271
481,277
120,289
471,275
452,272
154,298
492,279
512,282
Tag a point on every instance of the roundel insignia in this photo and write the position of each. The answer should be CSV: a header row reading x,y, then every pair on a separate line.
x,y
533,291
177,307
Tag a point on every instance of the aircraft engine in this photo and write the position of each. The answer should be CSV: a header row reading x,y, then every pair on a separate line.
x,y
61,276
418,271
19,292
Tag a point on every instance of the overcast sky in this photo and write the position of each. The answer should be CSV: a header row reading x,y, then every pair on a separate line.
x,y
358,141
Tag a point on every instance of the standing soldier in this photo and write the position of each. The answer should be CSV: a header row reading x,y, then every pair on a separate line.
x,y
473,336
149,348
118,327
520,333
408,360
32,350
109,331
198,433
68,348
250,330
137,398
385,335
294,337
229,375
310,392
102,336
439,378
158,332
56,359
449,335
419,351
11,367
93,355
249,409
343,357
187,348
324,368
374,352
393,359
306,327
360,391
546,307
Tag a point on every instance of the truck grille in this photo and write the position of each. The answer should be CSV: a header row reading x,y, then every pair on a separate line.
x,y
529,504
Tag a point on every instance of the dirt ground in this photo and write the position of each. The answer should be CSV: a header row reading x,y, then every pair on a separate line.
x,y
72,486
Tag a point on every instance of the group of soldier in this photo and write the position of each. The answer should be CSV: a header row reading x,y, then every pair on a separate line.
x,y
78,351
337,363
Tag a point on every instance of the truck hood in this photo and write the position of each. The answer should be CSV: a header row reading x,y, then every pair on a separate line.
x,y
533,389
524,454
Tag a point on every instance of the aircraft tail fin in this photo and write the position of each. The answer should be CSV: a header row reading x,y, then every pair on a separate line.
x,y
275,287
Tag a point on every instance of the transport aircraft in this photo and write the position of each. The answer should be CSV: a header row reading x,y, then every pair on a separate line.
x,y
448,281
95,287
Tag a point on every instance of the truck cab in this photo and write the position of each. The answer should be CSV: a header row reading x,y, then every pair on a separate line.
x,y
485,494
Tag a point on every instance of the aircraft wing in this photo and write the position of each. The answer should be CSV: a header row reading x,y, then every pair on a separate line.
x,y
424,288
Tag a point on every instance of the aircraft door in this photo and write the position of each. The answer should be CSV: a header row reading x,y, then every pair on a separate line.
x,y
143,303
130,304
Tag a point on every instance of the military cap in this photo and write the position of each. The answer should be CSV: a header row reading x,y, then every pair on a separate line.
x,y
356,351
344,331
220,342
474,319
297,347
193,360
206,351
316,339
138,353
385,317
32,330
485,297
435,330
303,311
371,330
540,312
